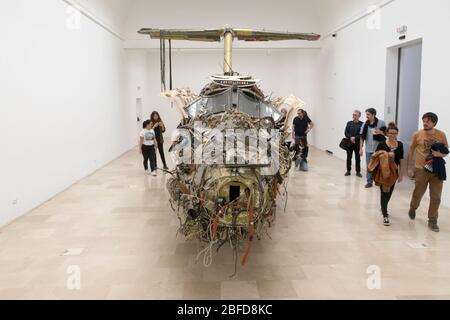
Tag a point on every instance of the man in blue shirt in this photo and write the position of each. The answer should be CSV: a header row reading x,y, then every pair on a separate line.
x,y
372,133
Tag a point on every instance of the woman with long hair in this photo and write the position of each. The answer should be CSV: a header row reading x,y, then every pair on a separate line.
x,y
159,128
396,154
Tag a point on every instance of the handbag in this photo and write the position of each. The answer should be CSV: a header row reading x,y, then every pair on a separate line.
x,y
345,144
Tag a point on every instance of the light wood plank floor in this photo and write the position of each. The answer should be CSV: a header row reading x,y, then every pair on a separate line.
x,y
321,247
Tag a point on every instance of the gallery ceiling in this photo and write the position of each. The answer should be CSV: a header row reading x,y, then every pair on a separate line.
x,y
320,16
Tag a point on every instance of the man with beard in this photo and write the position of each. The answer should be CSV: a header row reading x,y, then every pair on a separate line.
x,y
372,133
421,148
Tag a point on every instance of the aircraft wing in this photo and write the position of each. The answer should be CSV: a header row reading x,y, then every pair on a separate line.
x,y
215,35
211,35
253,35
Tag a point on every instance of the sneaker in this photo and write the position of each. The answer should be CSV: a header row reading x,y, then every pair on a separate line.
x,y
348,174
147,171
433,226
369,185
412,214
386,221
359,175
153,173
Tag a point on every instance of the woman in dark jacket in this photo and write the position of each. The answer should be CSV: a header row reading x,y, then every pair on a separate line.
x,y
159,128
396,153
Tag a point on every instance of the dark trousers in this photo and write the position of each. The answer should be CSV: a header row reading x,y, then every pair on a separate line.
x,y
354,149
385,198
149,154
161,153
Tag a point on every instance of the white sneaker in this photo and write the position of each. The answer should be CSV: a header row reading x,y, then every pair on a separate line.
x,y
153,173
147,171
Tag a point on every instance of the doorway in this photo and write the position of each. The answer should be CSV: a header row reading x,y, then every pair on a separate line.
x,y
139,115
404,74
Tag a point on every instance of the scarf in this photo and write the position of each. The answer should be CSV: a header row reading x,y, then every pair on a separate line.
x,y
366,127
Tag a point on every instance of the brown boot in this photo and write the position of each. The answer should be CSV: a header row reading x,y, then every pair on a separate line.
x,y
412,214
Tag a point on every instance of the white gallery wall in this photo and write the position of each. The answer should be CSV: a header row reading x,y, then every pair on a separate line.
x,y
111,13
352,68
336,13
62,102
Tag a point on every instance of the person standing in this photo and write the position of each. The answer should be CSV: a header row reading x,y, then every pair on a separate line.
x,y
353,132
300,157
147,147
421,144
160,128
302,126
396,154
372,133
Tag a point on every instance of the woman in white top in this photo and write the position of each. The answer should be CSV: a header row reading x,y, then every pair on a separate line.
x,y
147,147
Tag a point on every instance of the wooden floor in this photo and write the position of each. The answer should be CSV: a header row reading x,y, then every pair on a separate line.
x,y
323,246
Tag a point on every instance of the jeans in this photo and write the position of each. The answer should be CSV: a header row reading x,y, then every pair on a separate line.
x,y
355,150
304,166
301,164
369,175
